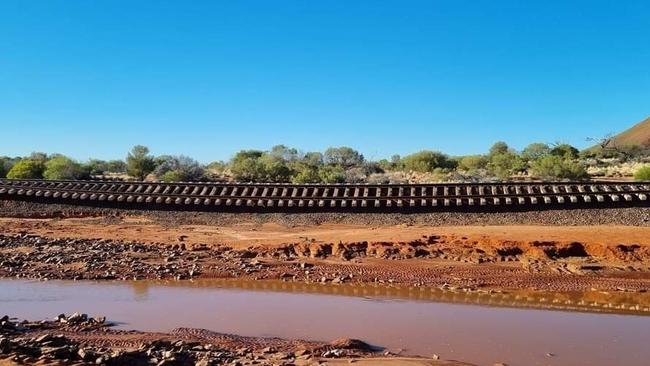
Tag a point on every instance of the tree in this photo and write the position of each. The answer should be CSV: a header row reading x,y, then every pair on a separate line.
x,y
245,166
426,161
558,167
4,166
39,157
566,151
643,174
26,169
314,159
116,166
183,168
139,163
62,167
344,156
499,147
275,168
96,166
535,151
284,153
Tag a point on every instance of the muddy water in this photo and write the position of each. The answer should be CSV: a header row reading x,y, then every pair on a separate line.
x,y
478,328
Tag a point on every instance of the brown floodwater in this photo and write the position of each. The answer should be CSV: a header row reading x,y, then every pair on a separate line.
x,y
516,328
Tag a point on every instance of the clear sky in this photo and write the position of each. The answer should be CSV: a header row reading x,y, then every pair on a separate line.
x,y
207,78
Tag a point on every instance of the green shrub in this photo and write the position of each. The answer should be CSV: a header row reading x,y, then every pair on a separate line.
x,y
472,163
557,167
505,164
61,167
26,169
643,174
426,161
306,175
331,174
172,176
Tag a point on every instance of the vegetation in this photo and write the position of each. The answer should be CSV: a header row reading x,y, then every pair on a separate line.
x,y
554,166
643,174
62,167
27,169
344,164
139,163
427,161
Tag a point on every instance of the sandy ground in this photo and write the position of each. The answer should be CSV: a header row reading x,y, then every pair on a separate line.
x,y
245,235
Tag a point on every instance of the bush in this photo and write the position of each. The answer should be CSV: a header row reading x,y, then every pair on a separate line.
x,y
62,167
426,161
331,174
472,163
557,167
183,168
172,176
643,174
504,165
306,174
26,169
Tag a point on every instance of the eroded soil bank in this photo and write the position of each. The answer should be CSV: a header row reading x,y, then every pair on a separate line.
x,y
498,257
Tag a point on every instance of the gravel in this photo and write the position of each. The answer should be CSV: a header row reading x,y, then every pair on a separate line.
x,y
631,216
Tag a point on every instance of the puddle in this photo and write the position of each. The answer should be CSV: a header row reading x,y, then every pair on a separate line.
x,y
515,328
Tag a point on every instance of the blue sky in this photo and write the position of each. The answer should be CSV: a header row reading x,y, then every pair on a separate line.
x,y
207,78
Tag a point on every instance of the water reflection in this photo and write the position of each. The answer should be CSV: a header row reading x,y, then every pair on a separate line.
x,y
590,301
416,320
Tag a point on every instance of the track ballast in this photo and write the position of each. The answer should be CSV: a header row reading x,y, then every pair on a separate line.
x,y
278,197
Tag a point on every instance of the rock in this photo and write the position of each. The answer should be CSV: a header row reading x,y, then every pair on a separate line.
x,y
335,353
203,362
351,344
86,354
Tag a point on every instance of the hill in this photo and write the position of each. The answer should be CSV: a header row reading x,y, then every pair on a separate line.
x,y
638,134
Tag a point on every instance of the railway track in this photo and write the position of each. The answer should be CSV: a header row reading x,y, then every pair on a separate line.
x,y
328,197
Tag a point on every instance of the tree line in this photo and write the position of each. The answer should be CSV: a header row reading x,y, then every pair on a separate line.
x,y
334,165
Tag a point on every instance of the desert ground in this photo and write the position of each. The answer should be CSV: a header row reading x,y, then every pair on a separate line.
x,y
605,253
